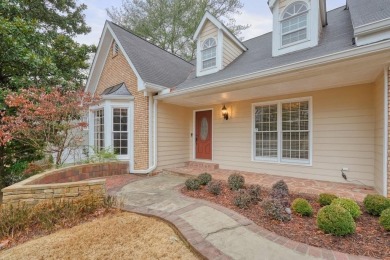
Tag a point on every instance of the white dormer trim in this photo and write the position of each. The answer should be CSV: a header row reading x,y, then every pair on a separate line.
x,y
218,66
208,16
102,53
313,27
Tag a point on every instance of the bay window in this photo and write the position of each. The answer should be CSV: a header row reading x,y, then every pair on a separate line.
x,y
98,116
282,131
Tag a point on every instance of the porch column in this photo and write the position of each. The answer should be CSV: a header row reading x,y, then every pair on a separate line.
x,y
387,85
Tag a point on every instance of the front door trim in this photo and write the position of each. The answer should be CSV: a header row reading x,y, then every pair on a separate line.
x,y
194,134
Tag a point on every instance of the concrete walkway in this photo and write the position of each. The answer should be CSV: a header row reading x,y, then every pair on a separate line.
x,y
214,231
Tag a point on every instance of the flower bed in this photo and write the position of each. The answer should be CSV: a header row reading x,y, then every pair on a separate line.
x,y
370,239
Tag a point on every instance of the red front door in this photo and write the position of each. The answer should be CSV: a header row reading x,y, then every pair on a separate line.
x,y
203,134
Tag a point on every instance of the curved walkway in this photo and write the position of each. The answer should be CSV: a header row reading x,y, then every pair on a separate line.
x,y
214,231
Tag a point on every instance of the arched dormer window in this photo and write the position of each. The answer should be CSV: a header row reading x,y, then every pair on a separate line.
x,y
294,23
209,53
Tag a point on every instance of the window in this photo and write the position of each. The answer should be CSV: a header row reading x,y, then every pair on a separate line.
x,y
115,49
209,53
119,131
99,129
282,131
294,23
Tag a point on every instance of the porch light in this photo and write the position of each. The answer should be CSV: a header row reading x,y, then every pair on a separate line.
x,y
225,113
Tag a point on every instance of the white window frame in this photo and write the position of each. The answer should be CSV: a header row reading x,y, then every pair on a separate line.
x,y
215,57
307,12
279,159
113,131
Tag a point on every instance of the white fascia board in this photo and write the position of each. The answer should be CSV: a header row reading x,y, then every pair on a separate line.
x,y
372,27
220,26
334,57
95,58
151,87
140,82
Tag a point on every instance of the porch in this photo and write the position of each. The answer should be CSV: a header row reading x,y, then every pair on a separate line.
x,y
295,185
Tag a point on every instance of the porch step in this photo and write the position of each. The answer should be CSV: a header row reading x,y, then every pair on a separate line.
x,y
202,165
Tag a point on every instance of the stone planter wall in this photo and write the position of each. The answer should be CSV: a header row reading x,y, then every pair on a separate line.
x,y
66,183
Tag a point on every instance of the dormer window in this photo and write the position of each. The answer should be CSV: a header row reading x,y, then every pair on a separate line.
x,y
209,53
294,23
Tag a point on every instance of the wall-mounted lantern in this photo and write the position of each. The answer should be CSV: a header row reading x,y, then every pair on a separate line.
x,y
225,113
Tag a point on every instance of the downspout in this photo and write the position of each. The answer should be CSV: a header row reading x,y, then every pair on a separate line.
x,y
152,121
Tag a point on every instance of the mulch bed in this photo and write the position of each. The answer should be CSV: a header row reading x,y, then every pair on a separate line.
x,y
370,238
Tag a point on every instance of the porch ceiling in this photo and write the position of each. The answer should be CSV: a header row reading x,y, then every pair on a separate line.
x,y
350,72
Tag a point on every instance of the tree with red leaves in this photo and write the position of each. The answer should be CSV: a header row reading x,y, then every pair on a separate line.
x,y
50,120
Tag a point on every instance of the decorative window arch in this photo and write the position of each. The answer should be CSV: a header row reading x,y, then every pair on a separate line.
x,y
294,23
209,53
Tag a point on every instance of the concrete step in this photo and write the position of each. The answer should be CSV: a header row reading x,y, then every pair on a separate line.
x,y
202,165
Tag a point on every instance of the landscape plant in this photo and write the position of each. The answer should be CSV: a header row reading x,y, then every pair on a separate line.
x,y
375,204
204,178
275,209
384,219
192,184
242,199
280,192
335,220
214,187
236,181
326,199
348,204
254,191
302,207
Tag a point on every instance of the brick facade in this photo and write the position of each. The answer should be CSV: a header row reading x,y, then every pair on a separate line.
x,y
117,70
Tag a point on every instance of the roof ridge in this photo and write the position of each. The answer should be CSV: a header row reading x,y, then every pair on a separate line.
x,y
149,42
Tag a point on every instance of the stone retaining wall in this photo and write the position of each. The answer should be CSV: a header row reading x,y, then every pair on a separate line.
x,y
66,183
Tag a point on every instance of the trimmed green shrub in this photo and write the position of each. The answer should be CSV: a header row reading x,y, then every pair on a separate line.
x,y
326,199
335,220
236,181
384,219
242,199
350,205
192,184
214,187
280,192
275,209
375,204
254,191
302,207
204,178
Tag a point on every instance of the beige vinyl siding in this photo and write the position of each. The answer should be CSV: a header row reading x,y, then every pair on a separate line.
x,y
379,136
173,135
343,136
230,51
209,30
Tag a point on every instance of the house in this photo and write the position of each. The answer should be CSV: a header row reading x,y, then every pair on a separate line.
x,y
307,100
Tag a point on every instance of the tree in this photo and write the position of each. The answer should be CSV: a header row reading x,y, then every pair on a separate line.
x,y
171,24
49,121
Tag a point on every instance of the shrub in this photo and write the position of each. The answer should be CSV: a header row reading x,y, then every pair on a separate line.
x,y
204,178
192,184
350,205
280,192
214,187
13,218
254,191
275,209
236,181
302,207
375,204
326,199
384,219
335,220
242,199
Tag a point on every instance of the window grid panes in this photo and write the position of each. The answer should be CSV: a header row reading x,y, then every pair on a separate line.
x,y
266,131
295,130
99,129
119,131
209,53
294,24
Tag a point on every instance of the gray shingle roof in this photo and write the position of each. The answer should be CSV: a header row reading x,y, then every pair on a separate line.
x,y
364,11
117,90
336,36
154,64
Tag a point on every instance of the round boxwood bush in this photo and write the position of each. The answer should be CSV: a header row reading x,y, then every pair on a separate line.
x,y
214,187
192,184
335,220
302,207
236,181
350,205
326,199
242,199
375,204
384,219
254,191
204,178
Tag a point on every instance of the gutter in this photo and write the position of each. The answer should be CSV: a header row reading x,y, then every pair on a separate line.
x,y
372,27
152,114
338,56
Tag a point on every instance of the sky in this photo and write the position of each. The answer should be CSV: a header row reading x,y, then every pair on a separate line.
x,y
255,12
